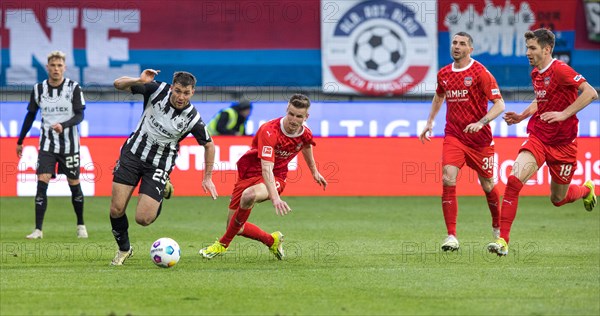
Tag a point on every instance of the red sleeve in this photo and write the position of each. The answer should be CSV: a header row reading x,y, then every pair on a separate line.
x,y
308,139
489,86
567,76
440,88
267,139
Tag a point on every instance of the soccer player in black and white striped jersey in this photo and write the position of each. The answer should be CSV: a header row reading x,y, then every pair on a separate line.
x,y
62,104
149,153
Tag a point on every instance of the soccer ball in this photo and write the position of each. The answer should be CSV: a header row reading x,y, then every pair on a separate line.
x,y
379,51
165,252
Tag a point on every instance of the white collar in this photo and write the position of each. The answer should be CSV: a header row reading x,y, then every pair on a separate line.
x,y
463,69
288,134
546,68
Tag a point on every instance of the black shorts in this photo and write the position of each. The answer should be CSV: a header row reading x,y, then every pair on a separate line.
x,y
130,169
68,164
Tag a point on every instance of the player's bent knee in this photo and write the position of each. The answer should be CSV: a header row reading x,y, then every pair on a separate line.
x,y
447,181
116,212
246,203
144,220
45,177
248,197
487,188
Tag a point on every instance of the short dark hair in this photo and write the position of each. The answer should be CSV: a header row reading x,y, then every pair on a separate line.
x,y
544,37
184,78
467,35
300,101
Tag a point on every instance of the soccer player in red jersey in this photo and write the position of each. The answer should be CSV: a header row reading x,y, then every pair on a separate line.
x,y
262,173
467,86
552,133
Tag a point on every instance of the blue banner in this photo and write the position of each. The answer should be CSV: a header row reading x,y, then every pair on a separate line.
x,y
327,119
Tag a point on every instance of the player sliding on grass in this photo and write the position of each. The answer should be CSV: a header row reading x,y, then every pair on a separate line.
x,y
262,173
149,153
466,85
552,133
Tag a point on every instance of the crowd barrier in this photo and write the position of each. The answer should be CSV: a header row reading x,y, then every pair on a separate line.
x,y
359,166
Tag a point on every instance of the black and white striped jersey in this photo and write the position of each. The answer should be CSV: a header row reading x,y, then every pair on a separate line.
x,y
63,104
161,127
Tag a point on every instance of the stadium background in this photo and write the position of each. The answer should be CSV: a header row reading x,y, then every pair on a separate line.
x,y
265,51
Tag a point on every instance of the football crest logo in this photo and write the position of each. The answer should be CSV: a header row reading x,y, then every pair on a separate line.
x,y
468,81
546,81
379,50
179,123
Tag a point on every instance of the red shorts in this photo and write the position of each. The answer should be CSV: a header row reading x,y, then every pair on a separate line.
x,y
480,159
561,159
243,184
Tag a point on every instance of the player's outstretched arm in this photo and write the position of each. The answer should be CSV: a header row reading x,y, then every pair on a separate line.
x,y
209,161
513,118
307,153
588,94
491,115
436,105
124,83
281,207
27,123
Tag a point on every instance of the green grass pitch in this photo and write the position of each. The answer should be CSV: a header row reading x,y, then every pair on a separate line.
x,y
345,256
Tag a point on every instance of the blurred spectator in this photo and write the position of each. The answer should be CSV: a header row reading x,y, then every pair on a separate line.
x,y
231,120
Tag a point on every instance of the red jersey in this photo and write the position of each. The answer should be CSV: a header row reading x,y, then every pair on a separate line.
x,y
272,143
556,87
467,93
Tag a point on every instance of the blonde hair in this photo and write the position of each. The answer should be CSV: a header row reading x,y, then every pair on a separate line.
x,y
56,54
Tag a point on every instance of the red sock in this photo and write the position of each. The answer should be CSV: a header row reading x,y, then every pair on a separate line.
x,y
235,224
509,206
574,193
450,208
493,199
254,232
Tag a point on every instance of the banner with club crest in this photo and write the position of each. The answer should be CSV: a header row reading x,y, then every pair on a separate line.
x,y
379,47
